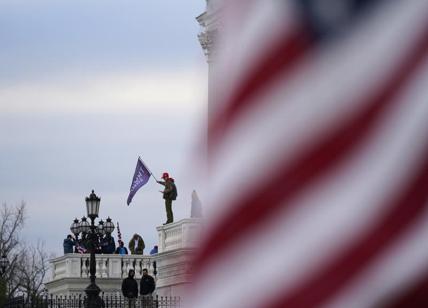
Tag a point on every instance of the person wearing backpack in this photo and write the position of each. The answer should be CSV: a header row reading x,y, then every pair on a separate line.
x,y
169,194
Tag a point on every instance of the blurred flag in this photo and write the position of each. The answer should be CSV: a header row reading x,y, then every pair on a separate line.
x,y
141,177
318,156
81,249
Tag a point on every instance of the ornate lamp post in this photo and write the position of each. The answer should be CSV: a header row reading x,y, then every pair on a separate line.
x,y
4,263
93,291
91,239
75,229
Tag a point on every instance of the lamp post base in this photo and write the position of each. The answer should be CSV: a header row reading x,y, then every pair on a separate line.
x,y
93,299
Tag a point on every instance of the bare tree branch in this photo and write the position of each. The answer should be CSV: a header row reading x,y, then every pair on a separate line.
x,y
28,263
11,223
33,265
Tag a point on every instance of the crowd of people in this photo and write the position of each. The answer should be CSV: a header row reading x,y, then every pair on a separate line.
x,y
106,245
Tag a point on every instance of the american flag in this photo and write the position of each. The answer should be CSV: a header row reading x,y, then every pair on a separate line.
x,y
80,249
318,156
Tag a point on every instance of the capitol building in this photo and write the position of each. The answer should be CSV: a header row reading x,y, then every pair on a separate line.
x,y
171,266
177,241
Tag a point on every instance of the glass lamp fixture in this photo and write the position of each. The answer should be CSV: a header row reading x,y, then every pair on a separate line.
x,y
109,226
75,227
84,226
93,205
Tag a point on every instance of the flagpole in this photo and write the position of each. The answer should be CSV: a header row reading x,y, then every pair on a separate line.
x,y
139,157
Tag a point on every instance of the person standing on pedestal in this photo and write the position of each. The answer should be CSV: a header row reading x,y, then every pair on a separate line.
x,y
169,194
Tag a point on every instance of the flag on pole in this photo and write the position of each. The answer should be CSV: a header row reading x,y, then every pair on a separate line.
x,y
318,156
119,234
141,177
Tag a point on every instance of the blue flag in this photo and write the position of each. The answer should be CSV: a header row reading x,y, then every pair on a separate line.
x,y
141,177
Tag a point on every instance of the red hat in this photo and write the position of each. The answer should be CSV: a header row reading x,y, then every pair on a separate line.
x,y
165,175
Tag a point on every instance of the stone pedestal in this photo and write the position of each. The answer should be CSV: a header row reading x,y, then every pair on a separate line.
x,y
177,242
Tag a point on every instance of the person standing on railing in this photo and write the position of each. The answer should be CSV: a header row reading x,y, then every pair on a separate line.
x,y
130,289
147,287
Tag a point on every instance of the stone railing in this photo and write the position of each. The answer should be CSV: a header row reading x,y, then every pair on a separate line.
x,y
177,241
108,266
181,234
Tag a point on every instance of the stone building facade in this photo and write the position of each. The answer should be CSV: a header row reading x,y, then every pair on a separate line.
x,y
177,241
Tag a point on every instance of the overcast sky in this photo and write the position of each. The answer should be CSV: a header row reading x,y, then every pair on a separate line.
x,y
85,88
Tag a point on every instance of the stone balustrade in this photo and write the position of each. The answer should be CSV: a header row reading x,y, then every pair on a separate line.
x,y
107,265
177,241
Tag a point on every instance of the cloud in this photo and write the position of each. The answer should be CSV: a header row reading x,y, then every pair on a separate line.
x,y
86,87
49,36
125,92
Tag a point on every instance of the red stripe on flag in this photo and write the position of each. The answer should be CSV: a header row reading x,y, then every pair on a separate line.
x,y
254,209
404,212
280,59
415,296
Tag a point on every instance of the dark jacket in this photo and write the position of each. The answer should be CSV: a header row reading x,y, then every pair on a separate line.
x,y
68,245
147,285
170,191
130,287
84,242
154,250
139,250
108,245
